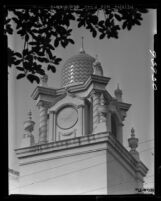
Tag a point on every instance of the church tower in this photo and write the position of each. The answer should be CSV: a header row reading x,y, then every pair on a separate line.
x,y
80,148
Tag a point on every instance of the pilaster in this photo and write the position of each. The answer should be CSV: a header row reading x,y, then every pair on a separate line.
x,y
43,108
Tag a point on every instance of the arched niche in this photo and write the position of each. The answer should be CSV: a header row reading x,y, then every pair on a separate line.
x,y
114,125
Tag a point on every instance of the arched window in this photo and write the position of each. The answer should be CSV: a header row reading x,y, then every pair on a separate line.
x,y
113,126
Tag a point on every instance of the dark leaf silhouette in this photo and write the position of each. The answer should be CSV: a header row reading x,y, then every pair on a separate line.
x,y
118,17
17,54
43,30
102,36
57,60
52,68
33,78
40,71
17,62
70,40
20,68
56,42
19,76
42,59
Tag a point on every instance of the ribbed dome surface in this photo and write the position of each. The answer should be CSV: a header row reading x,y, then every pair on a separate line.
x,y
77,69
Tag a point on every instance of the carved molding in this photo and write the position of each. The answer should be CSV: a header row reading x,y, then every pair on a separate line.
x,y
66,134
45,104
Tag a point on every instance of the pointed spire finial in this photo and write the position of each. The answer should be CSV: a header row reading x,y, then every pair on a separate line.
x,y
30,115
82,48
118,86
118,93
132,132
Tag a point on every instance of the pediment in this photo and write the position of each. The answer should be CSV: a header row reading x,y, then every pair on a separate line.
x,y
73,100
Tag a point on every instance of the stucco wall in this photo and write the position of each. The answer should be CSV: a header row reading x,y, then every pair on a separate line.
x,y
121,178
13,184
79,174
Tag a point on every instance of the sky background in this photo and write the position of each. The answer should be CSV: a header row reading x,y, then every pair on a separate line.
x,y
126,61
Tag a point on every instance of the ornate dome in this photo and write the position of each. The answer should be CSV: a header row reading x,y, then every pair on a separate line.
x,y
77,69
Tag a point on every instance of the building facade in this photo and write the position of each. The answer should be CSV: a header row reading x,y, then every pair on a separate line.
x,y
80,148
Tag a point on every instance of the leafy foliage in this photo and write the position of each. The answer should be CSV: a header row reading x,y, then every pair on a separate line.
x,y
45,29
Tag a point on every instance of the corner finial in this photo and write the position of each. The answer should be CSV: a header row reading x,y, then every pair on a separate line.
x,y
133,144
82,48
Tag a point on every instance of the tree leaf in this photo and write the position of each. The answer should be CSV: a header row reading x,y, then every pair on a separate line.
x,y
56,42
57,60
64,43
51,47
26,37
42,59
33,43
18,54
52,68
102,35
49,53
17,62
94,33
40,71
20,68
16,20
19,76
9,30
33,78
118,17
101,23
137,22
129,26
124,25
81,23
70,40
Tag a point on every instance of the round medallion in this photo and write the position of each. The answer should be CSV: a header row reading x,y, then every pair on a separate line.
x,y
67,117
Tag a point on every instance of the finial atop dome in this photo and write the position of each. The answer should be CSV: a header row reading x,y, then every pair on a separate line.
x,y
82,48
118,93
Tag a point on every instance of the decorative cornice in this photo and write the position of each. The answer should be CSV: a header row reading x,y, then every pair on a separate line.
x,y
84,86
98,79
43,90
124,106
99,138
